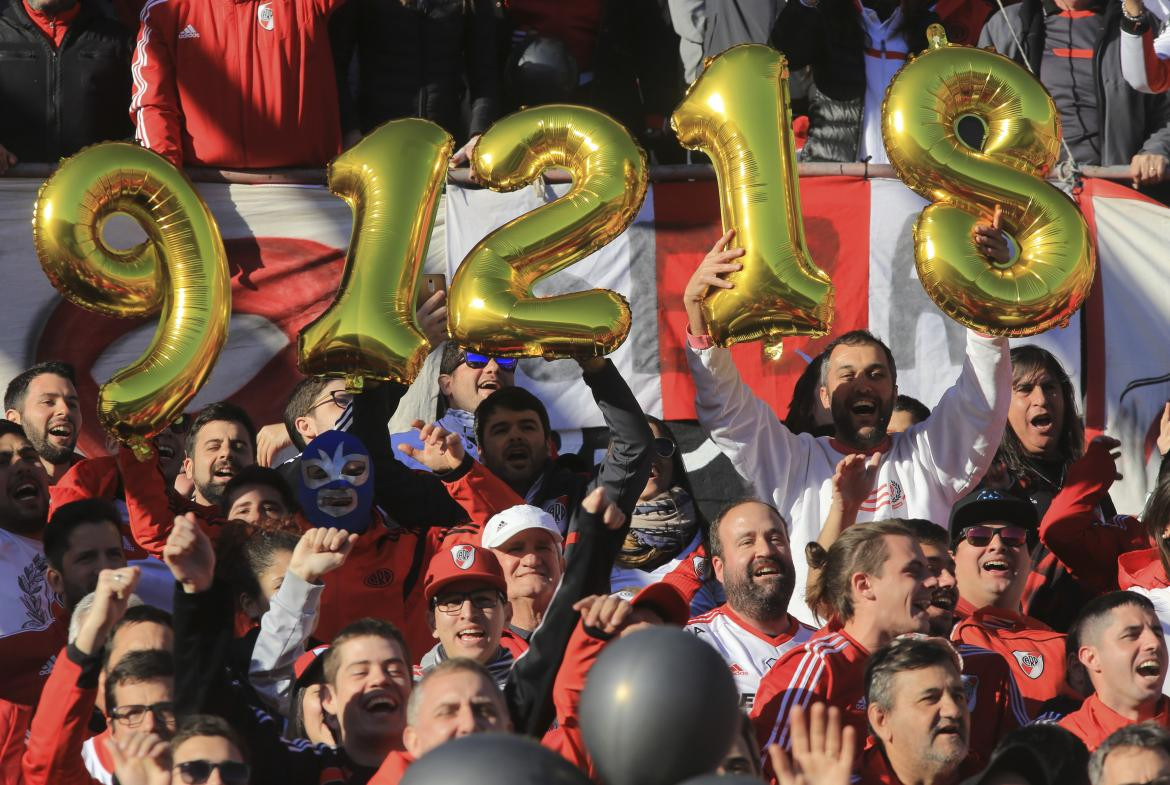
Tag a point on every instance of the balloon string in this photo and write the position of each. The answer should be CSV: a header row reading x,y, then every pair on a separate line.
x,y
1069,173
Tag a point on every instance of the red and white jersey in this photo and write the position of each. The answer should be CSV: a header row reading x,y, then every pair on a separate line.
x,y
1033,651
827,668
749,653
30,634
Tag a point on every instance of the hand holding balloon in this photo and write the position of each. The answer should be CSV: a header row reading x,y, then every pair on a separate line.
x,y
711,273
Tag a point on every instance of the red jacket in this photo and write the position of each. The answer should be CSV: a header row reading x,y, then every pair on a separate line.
x,y
1075,531
830,668
61,723
993,699
1033,651
1142,569
236,83
1093,722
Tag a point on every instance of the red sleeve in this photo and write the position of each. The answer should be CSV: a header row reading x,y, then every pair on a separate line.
x,y
779,692
1157,69
88,479
147,502
1086,546
684,577
53,756
14,722
482,494
154,99
565,737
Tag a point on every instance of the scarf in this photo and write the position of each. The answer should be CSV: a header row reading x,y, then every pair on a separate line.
x,y
659,530
499,666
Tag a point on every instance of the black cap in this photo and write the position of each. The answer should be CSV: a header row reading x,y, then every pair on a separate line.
x,y
988,505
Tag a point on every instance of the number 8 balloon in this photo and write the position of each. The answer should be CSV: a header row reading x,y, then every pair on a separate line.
x,y
1050,274
181,269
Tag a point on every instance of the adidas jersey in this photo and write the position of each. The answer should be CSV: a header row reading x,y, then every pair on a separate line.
x,y
748,652
827,668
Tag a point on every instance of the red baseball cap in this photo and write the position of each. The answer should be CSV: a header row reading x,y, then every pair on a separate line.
x,y
663,598
307,668
463,563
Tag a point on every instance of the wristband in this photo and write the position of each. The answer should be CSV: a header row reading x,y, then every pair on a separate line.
x,y
698,342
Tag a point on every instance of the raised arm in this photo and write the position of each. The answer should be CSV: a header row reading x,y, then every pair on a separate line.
x,y
743,426
956,443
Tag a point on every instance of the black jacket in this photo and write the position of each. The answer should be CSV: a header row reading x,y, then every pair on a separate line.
x,y
57,101
830,39
417,60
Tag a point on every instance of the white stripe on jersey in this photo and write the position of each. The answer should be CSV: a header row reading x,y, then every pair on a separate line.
x,y
808,672
748,655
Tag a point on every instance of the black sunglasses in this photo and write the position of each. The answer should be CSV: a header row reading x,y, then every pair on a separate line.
x,y
663,447
197,772
478,361
981,536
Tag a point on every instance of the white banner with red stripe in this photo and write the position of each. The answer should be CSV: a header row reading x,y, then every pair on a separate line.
x,y
286,246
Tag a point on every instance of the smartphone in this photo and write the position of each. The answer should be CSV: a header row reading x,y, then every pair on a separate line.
x,y
430,284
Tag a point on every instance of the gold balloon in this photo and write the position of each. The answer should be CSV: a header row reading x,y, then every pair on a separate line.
x,y
392,180
1049,276
180,269
738,113
492,308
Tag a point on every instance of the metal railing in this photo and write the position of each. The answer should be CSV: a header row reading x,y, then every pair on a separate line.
x,y
659,174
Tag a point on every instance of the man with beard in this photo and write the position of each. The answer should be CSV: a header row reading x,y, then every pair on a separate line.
x,y
917,709
921,471
44,401
751,558
1124,652
514,435
220,442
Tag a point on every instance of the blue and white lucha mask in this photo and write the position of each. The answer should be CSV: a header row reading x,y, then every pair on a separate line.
x,y
336,486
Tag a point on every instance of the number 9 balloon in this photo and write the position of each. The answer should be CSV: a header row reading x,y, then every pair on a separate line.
x,y
180,269
1050,274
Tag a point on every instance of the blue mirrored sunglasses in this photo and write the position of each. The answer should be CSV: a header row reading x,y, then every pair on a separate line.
x,y
478,361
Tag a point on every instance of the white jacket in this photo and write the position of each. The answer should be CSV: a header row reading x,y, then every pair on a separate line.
x,y
923,471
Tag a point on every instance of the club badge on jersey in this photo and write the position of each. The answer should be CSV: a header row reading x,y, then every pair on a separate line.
x,y
336,486
265,16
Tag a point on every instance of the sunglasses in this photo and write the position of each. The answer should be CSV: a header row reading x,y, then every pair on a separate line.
x,y
197,772
182,423
478,361
663,447
981,536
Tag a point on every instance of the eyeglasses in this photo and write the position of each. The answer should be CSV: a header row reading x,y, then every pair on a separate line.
x,y
196,772
339,398
480,600
663,447
132,715
981,536
478,361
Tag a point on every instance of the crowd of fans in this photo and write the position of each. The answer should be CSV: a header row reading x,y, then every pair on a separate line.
x,y
910,596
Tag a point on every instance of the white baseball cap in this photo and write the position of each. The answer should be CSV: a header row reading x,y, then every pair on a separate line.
x,y
505,525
